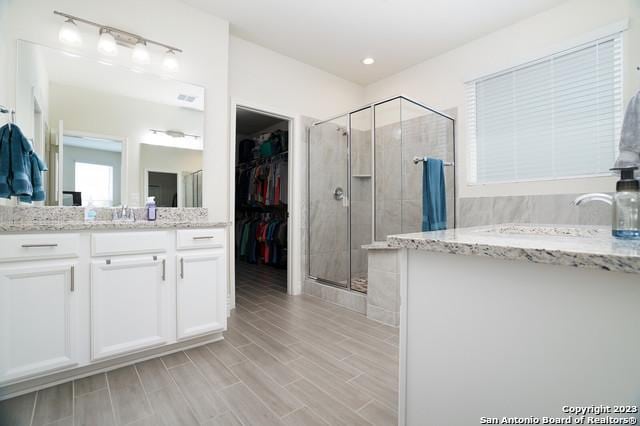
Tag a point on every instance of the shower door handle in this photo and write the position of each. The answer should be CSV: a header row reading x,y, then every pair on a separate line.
x,y
338,194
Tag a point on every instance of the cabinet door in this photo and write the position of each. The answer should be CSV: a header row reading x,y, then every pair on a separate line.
x,y
128,305
201,293
37,318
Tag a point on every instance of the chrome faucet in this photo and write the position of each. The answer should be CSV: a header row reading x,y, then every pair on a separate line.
x,y
123,213
595,196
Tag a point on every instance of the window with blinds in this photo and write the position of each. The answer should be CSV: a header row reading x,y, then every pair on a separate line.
x,y
558,117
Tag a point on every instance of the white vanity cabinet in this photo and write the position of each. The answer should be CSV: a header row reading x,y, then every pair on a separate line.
x,y
71,303
38,314
201,298
129,292
129,304
200,282
38,304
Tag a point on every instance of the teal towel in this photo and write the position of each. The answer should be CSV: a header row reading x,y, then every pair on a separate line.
x,y
434,196
20,168
37,166
5,158
20,161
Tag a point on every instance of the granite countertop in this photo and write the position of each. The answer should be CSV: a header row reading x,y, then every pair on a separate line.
x,y
51,219
103,225
378,245
569,245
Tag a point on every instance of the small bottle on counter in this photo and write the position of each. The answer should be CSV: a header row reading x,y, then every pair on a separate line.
x,y
626,205
151,208
90,212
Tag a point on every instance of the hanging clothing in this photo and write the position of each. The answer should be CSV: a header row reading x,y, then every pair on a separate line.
x,y
245,150
262,240
261,199
20,167
264,184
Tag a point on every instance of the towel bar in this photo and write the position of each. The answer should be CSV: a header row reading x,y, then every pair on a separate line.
x,y
417,160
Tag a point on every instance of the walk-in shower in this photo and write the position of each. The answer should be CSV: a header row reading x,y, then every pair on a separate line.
x,y
364,185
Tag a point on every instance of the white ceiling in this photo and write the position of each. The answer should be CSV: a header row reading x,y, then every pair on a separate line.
x,y
335,35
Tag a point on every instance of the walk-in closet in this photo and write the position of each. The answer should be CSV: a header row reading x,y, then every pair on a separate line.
x,y
261,203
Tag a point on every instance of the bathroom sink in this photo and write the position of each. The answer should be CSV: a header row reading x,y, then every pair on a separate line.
x,y
549,230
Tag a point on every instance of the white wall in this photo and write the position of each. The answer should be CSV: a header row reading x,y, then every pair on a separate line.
x,y
103,114
203,37
4,67
4,54
32,85
264,77
439,82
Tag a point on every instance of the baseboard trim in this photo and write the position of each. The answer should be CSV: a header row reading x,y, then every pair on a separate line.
x,y
75,373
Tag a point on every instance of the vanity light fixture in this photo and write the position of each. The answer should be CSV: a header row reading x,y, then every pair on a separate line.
x,y
174,133
170,61
368,61
111,37
140,54
107,43
69,33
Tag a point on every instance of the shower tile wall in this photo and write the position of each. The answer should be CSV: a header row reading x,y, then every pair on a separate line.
x,y
328,250
547,209
399,188
361,209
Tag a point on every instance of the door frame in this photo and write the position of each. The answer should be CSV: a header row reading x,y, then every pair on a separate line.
x,y
179,183
296,183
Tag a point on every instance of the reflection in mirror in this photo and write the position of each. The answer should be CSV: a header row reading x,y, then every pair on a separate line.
x,y
164,188
110,135
92,167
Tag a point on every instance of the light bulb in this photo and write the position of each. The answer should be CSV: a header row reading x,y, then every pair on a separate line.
x,y
107,44
140,54
69,33
170,61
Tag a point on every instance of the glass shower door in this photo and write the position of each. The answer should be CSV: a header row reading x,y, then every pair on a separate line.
x,y
329,241
361,197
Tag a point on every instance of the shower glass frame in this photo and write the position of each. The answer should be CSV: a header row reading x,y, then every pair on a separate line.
x,y
348,116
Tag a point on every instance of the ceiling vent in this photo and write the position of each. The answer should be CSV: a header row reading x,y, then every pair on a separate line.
x,y
186,98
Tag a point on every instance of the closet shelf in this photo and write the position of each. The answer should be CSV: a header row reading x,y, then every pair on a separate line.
x,y
262,160
281,206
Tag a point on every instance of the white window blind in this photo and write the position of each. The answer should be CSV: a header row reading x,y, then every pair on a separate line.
x,y
557,117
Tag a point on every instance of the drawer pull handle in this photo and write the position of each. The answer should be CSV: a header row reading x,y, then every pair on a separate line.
x,y
204,237
164,269
182,267
73,278
39,245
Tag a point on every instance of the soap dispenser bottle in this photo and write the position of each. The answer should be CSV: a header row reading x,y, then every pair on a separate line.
x,y
151,208
626,205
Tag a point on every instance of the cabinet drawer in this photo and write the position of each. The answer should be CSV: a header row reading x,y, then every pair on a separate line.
x,y
200,238
116,243
38,246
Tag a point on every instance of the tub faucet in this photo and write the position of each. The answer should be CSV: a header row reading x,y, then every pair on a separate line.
x,y
595,196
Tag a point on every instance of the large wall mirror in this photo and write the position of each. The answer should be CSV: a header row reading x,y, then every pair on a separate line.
x,y
110,135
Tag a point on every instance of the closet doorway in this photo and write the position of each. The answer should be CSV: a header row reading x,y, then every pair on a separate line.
x,y
261,204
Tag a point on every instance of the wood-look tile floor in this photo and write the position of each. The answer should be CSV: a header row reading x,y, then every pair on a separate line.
x,y
285,360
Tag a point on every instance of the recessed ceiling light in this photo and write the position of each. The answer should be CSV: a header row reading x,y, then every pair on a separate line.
x,y
368,61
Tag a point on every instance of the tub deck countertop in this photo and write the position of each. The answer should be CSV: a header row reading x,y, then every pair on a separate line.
x,y
570,245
